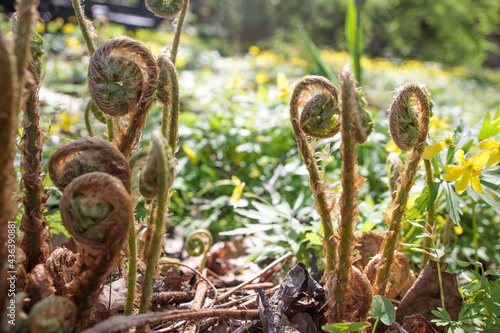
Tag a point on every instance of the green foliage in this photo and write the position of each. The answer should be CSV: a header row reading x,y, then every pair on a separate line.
x,y
490,127
383,310
346,327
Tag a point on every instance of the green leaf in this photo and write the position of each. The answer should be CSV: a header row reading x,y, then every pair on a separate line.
x,y
490,128
424,201
383,309
453,202
494,272
350,25
346,327
494,203
323,68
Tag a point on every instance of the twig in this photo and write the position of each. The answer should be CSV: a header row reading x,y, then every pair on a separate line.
x,y
267,310
279,310
118,323
264,271
199,299
200,275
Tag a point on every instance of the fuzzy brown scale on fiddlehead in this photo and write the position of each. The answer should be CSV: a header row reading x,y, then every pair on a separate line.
x,y
199,243
164,8
54,314
122,81
84,156
96,209
307,87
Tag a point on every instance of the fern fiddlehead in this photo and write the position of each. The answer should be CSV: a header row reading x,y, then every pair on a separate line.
x,y
163,8
96,209
122,81
327,109
87,155
168,94
199,243
409,125
53,314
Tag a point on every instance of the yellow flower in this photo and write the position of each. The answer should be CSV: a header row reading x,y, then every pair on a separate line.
x,y
40,27
254,50
436,123
193,158
261,78
283,86
238,190
493,146
467,172
391,147
458,230
237,81
255,173
431,151
67,121
298,62
68,28
73,42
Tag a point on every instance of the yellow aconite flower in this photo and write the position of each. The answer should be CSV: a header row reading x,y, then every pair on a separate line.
x,y
40,27
431,151
282,84
68,28
238,189
73,42
67,121
254,50
493,146
391,147
193,158
237,81
261,78
467,172
436,123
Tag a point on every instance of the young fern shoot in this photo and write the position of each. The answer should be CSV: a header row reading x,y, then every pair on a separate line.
x,y
319,119
409,125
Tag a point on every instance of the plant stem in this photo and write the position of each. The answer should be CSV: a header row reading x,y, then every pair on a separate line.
x,y
86,27
109,123
430,221
374,329
350,187
132,269
178,30
24,33
165,179
8,126
474,234
88,124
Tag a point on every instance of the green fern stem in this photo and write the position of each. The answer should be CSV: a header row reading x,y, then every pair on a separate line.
x,y
178,30
430,221
132,269
88,31
397,211
319,188
164,170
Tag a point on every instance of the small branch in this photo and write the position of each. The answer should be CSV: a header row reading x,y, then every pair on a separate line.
x,y
118,323
264,271
267,310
